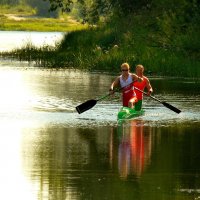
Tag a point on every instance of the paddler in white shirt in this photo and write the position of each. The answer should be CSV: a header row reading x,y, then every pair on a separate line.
x,y
125,81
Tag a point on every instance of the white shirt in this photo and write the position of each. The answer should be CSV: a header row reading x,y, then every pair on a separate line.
x,y
126,82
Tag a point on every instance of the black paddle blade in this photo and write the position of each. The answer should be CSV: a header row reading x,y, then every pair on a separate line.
x,y
171,107
86,106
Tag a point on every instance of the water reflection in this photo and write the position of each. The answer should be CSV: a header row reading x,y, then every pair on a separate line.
x,y
13,182
10,40
135,145
60,161
55,162
49,152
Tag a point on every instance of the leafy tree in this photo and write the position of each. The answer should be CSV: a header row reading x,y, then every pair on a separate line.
x,y
126,7
42,8
63,4
92,10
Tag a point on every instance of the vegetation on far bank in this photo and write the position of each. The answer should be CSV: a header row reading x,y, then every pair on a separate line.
x,y
24,18
165,40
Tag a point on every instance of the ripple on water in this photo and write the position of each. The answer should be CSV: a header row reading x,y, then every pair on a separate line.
x,y
106,115
53,110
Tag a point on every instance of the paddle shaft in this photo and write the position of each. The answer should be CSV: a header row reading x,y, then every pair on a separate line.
x,y
149,95
103,97
167,105
117,90
90,103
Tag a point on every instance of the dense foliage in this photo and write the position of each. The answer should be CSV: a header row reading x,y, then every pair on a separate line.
x,y
163,35
41,7
97,8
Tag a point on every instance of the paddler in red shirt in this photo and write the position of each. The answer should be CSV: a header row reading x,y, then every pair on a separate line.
x,y
125,81
145,83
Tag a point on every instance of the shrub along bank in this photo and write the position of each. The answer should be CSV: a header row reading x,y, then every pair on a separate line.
x,y
159,41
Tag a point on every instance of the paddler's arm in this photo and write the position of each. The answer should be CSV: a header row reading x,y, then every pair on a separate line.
x,y
149,88
114,84
136,78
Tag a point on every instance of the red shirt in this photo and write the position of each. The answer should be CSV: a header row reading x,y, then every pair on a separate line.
x,y
128,93
141,86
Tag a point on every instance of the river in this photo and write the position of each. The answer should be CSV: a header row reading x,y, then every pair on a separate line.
x,y
10,40
49,151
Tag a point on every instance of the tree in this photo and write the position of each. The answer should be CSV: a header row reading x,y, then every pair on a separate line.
x,y
42,8
63,4
91,10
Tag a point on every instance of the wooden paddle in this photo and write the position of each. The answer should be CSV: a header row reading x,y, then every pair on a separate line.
x,y
163,102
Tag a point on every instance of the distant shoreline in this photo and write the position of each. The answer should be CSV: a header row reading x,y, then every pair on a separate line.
x,y
23,22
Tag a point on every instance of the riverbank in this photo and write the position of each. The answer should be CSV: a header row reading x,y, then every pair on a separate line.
x,y
164,47
105,48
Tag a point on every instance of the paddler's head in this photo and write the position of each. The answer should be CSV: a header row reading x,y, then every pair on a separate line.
x,y
139,70
125,68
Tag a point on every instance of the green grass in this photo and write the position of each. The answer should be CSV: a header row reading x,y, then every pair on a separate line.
x,y
44,24
20,9
22,18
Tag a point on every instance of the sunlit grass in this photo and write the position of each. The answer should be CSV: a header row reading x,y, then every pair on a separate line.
x,y
40,24
22,18
17,9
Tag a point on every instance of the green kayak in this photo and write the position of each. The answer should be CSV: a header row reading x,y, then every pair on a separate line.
x,y
128,113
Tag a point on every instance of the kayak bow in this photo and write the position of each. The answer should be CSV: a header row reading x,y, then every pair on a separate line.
x,y
128,113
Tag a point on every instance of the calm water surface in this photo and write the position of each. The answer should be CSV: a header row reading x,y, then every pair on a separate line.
x,y
48,151
10,40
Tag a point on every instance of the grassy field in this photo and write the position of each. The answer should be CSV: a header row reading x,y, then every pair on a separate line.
x,y
22,18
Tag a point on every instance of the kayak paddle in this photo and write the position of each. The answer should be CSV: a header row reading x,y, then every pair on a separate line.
x,y
163,102
89,104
